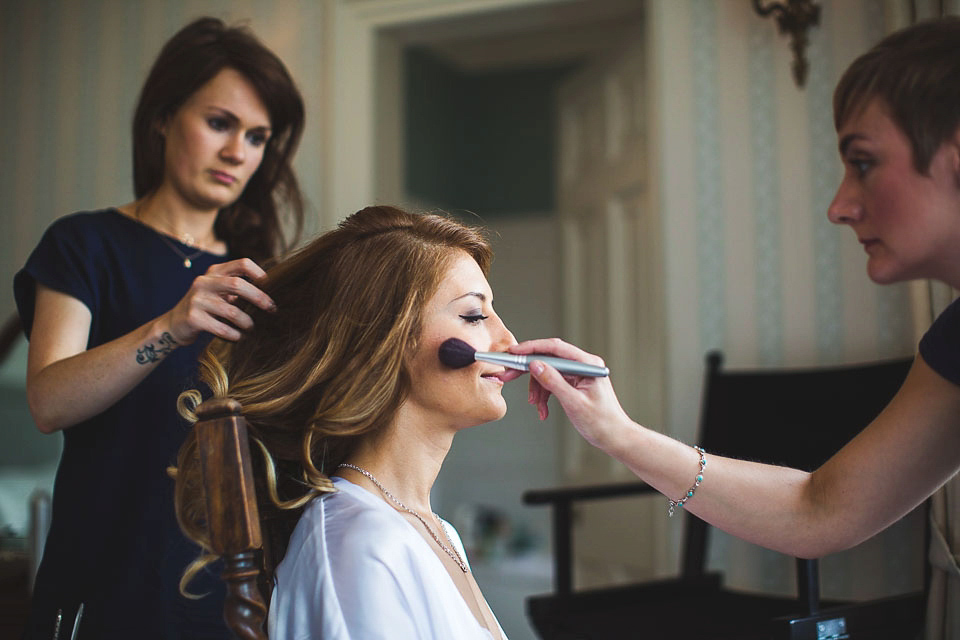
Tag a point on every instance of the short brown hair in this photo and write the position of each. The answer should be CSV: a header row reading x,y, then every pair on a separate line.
x,y
916,73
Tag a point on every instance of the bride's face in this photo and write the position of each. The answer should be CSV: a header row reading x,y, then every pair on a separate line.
x,y
462,307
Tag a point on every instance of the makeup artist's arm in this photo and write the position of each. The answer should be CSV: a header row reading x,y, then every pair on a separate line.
x,y
909,450
67,383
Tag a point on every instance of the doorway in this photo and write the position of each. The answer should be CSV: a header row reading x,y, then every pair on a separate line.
x,y
467,119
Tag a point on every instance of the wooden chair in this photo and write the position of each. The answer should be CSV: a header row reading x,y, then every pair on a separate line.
x,y
232,514
794,417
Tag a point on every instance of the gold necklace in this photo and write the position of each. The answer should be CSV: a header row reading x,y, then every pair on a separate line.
x,y
450,551
187,239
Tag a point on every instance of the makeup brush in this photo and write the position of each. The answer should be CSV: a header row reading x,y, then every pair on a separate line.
x,y
456,354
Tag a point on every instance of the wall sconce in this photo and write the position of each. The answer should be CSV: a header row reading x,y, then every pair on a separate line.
x,y
794,17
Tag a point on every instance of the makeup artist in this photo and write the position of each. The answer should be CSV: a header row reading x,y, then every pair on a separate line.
x,y
118,303
897,114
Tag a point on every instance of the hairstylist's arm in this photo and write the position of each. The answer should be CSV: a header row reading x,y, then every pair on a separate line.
x,y
66,383
899,460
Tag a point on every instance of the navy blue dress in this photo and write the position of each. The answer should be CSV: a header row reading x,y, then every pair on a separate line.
x,y
114,544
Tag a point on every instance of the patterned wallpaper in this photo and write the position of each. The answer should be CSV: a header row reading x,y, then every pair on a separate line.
x,y
70,72
812,325
746,165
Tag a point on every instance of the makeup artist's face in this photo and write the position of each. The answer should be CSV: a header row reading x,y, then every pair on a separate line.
x,y
461,308
907,222
215,141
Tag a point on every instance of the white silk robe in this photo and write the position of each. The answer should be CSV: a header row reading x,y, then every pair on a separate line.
x,y
356,569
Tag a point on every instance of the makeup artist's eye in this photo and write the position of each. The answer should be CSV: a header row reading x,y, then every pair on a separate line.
x,y
473,318
860,164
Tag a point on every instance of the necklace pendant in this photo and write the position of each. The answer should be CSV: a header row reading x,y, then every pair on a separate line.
x,y
187,263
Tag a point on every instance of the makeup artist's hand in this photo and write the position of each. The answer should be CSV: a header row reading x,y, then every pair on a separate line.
x,y
590,403
211,303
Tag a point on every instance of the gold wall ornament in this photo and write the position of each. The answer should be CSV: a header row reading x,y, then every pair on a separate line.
x,y
794,17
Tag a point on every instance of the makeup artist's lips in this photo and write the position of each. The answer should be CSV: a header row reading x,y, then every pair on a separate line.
x,y
222,177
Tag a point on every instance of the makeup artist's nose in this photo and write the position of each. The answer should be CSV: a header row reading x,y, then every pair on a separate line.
x,y
846,206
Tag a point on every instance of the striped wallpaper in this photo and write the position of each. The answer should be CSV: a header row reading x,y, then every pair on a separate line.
x,y
70,72
746,165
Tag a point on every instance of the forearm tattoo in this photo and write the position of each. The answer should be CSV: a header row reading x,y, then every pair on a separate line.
x,y
150,353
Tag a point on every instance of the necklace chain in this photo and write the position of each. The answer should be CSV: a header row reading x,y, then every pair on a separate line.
x,y
187,259
450,551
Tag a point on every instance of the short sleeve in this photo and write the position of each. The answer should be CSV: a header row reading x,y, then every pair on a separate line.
x,y
63,261
940,345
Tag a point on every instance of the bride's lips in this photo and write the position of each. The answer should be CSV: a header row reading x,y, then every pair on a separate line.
x,y
494,376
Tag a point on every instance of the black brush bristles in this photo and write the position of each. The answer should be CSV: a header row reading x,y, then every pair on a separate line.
x,y
456,353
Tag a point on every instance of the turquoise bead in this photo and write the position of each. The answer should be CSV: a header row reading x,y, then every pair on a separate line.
x,y
699,478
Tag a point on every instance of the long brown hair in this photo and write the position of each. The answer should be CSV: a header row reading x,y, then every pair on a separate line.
x,y
329,366
251,226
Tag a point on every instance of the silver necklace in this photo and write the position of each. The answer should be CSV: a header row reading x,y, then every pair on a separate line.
x,y
450,551
187,240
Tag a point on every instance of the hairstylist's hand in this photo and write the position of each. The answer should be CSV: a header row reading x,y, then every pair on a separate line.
x,y
590,403
210,303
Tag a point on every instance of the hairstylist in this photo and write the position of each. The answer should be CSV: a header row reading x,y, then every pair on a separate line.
x,y
118,303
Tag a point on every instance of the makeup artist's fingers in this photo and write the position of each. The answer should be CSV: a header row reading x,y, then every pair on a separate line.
x,y
538,397
512,374
590,403
556,347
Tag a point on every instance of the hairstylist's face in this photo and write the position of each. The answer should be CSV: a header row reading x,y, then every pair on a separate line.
x,y
908,223
215,142
461,308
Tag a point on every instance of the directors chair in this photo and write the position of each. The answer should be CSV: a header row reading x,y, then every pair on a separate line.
x,y
797,418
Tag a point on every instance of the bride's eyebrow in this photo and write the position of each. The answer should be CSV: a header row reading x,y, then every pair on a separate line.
x,y
476,294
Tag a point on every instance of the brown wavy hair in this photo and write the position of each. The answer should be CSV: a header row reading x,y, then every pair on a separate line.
x,y
328,368
916,73
251,226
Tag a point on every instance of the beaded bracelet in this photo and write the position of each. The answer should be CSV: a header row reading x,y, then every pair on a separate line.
x,y
696,483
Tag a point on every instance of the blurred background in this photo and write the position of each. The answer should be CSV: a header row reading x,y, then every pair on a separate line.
x,y
655,184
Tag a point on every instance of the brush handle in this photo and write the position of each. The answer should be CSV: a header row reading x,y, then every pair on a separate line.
x,y
522,362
